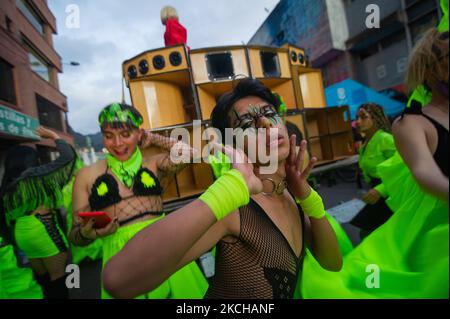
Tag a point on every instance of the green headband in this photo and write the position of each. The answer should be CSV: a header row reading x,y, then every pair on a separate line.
x,y
115,113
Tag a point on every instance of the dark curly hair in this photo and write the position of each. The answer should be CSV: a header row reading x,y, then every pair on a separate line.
x,y
220,117
379,117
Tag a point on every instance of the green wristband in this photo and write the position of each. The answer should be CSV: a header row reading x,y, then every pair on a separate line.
x,y
226,194
380,188
312,205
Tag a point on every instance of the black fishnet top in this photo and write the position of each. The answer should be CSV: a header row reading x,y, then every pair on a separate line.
x,y
261,264
128,205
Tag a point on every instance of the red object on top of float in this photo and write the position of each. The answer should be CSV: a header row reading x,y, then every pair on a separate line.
x,y
175,33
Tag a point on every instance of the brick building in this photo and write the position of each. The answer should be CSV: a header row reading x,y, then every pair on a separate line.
x,y
29,67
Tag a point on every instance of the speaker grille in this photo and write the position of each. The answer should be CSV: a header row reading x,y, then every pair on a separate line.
x,y
220,66
294,57
132,72
301,58
175,58
270,64
159,62
143,66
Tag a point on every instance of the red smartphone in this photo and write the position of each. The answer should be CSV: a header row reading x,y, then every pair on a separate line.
x,y
101,218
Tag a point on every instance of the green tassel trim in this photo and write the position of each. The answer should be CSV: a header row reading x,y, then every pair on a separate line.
x,y
32,192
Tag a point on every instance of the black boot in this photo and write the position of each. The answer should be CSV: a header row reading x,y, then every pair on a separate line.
x,y
42,279
57,289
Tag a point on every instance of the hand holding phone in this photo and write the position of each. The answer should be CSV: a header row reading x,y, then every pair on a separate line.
x,y
101,218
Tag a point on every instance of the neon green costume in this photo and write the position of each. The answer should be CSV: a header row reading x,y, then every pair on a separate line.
x,y
15,282
220,163
408,256
379,148
409,252
39,236
186,283
36,241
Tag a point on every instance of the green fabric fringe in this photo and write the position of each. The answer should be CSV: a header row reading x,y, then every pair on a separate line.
x,y
32,192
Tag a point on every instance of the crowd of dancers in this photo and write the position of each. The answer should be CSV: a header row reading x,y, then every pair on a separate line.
x,y
269,233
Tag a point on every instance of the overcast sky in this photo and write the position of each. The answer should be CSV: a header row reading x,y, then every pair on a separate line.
x,y
113,31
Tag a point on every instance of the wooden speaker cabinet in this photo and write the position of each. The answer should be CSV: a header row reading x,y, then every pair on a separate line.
x,y
214,72
297,55
340,130
329,133
194,179
295,123
310,87
161,86
272,67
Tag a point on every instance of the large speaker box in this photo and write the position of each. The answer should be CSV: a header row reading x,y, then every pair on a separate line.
x,y
297,55
161,87
308,81
329,133
214,72
271,66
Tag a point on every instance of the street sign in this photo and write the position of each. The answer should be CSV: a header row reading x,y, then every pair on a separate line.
x,y
17,124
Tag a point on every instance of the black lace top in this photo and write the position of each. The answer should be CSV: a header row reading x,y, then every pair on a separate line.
x,y
261,264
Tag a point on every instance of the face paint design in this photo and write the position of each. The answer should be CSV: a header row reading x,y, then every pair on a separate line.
x,y
255,112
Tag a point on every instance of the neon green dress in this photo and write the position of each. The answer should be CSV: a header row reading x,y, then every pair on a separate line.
x,y
407,257
15,282
39,236
378,149
187,283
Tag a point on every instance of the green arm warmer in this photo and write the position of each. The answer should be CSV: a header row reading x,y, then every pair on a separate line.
x,y
312,205
226,194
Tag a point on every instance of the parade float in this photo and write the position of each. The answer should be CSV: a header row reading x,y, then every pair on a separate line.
x,y
172,87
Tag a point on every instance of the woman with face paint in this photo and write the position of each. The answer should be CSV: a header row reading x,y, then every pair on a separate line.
x,y
260,221
129,189
378,146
